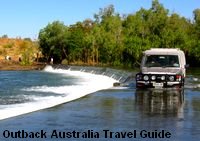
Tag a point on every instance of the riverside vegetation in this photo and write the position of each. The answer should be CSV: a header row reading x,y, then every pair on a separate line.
x,y
117,40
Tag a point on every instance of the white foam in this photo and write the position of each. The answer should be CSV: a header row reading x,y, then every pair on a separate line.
x,y
88,83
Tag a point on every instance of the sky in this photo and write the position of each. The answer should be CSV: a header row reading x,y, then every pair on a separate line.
x,y
25,18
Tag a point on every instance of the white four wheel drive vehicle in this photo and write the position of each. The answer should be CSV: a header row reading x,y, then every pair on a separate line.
x,y
162,68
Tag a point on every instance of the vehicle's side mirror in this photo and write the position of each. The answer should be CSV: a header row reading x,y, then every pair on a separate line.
x,y
187,66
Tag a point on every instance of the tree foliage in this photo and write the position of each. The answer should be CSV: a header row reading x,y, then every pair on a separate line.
x,y
54,41
117,40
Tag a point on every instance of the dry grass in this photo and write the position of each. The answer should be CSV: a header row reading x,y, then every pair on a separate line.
x,y
15,48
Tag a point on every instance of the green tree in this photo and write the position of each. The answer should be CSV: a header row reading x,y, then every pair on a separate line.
x,y
175,33
157,21
75,40
92,41
195,50
53,40
115,40
137,34
110,44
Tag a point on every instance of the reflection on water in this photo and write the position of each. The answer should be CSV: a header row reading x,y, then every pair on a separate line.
x,y
123,110
166,102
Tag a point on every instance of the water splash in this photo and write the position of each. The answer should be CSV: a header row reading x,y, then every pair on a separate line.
x,y
88,83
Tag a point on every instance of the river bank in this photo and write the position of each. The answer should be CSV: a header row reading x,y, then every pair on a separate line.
x,y
16,66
